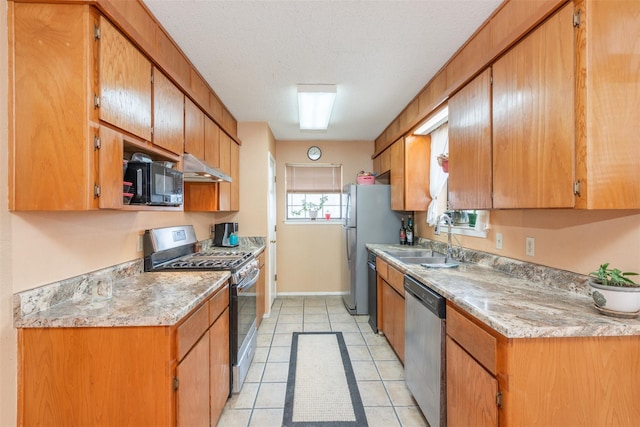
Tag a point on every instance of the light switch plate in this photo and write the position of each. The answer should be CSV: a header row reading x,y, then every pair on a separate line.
x,y
498,240
530,246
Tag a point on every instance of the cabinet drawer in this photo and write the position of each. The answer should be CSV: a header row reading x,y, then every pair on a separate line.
x,y
191,330
382,268
481,345
396,280
218,303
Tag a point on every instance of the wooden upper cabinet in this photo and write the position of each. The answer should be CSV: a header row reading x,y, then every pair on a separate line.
x,y
125,83
229,197
534,118
396,179
470,177
52,166
211,142
168,114
608,162
409,176
193,129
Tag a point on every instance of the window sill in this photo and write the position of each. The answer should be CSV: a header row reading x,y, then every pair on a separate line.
x,y
318,221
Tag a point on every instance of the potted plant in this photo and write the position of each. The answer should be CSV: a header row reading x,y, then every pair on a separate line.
x,y
614,292
311,207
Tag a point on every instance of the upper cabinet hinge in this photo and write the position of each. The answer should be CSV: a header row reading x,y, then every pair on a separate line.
x,y
96,33
96,101
577,188
97,144
96,190
151,76
176,383
576,19
499,399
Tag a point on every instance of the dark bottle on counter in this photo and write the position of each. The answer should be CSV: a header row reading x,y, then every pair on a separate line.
x,y
403,234
409,232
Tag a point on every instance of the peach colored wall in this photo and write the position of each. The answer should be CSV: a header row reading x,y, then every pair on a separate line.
x,y
310,256
257,143
573,240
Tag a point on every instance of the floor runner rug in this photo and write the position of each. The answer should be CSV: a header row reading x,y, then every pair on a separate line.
x,y
321,387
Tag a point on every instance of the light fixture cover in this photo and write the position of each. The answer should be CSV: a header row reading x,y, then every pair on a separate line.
x,y
315,103
434,122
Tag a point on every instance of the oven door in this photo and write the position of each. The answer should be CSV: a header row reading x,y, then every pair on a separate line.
x,y
246,304
243,328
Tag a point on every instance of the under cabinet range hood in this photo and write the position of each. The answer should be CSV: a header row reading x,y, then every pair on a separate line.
x,y
196,170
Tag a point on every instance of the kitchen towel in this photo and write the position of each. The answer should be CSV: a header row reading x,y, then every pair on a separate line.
x,y
321,387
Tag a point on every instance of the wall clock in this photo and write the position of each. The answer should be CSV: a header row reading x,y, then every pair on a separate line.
x,y
314,153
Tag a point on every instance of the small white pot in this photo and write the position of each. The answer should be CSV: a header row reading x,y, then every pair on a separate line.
x,y
616,298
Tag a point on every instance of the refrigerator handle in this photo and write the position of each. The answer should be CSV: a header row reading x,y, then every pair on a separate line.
x,y
346,231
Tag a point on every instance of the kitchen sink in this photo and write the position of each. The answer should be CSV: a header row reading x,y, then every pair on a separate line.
x,y
413,253
423,260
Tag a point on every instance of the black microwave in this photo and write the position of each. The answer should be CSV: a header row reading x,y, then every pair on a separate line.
x,y
154,184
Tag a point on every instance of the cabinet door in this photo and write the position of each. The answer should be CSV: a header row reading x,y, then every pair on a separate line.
x,y
193,129
387,311
470,177
224,201
417,149
193,386
608,163
125,83
398,325
168,114
220,369
396,160
52,147
534,118
234,198
471,390
211,142
109,168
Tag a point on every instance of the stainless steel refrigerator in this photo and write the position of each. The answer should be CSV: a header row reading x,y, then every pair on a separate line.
x,y
368,219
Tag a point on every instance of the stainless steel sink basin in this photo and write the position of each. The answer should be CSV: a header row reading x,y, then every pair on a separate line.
x,y
413,253
423,260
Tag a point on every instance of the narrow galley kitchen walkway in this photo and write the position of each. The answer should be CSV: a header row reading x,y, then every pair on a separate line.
x,y
379,374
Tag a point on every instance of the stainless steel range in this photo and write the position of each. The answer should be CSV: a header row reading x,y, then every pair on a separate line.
x,y
173,249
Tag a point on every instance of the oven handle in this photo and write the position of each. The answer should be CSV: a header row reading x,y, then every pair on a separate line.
x,y
247,283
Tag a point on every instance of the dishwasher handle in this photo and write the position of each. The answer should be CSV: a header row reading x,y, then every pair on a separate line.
x,y
433,301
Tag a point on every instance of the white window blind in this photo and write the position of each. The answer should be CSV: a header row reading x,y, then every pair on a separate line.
x,y
313,179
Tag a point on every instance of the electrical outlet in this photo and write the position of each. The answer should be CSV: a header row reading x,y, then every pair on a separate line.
x,y
530,246
498,240
139,243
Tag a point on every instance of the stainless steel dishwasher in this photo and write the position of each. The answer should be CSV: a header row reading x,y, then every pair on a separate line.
x,y
424,360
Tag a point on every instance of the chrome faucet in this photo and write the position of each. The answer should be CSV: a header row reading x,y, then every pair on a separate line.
x,y
447,220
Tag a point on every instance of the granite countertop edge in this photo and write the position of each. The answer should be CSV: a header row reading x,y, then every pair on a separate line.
x,y
512,306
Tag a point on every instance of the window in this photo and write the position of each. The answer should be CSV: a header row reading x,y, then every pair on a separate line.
x,y
313,188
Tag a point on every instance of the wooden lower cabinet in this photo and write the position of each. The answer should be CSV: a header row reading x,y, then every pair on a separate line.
x,y
565,381
471,390
392,316
137,375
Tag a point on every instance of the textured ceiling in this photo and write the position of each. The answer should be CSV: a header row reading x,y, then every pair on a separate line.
x,y
380,54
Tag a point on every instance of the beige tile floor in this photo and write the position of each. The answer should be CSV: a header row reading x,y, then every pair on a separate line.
x,y
386,399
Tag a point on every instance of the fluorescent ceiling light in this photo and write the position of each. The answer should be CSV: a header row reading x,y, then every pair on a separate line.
x,y
434,122
315,103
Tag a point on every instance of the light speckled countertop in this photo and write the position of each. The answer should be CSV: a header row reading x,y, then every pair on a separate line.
x,y
514,307
147,299
122,295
